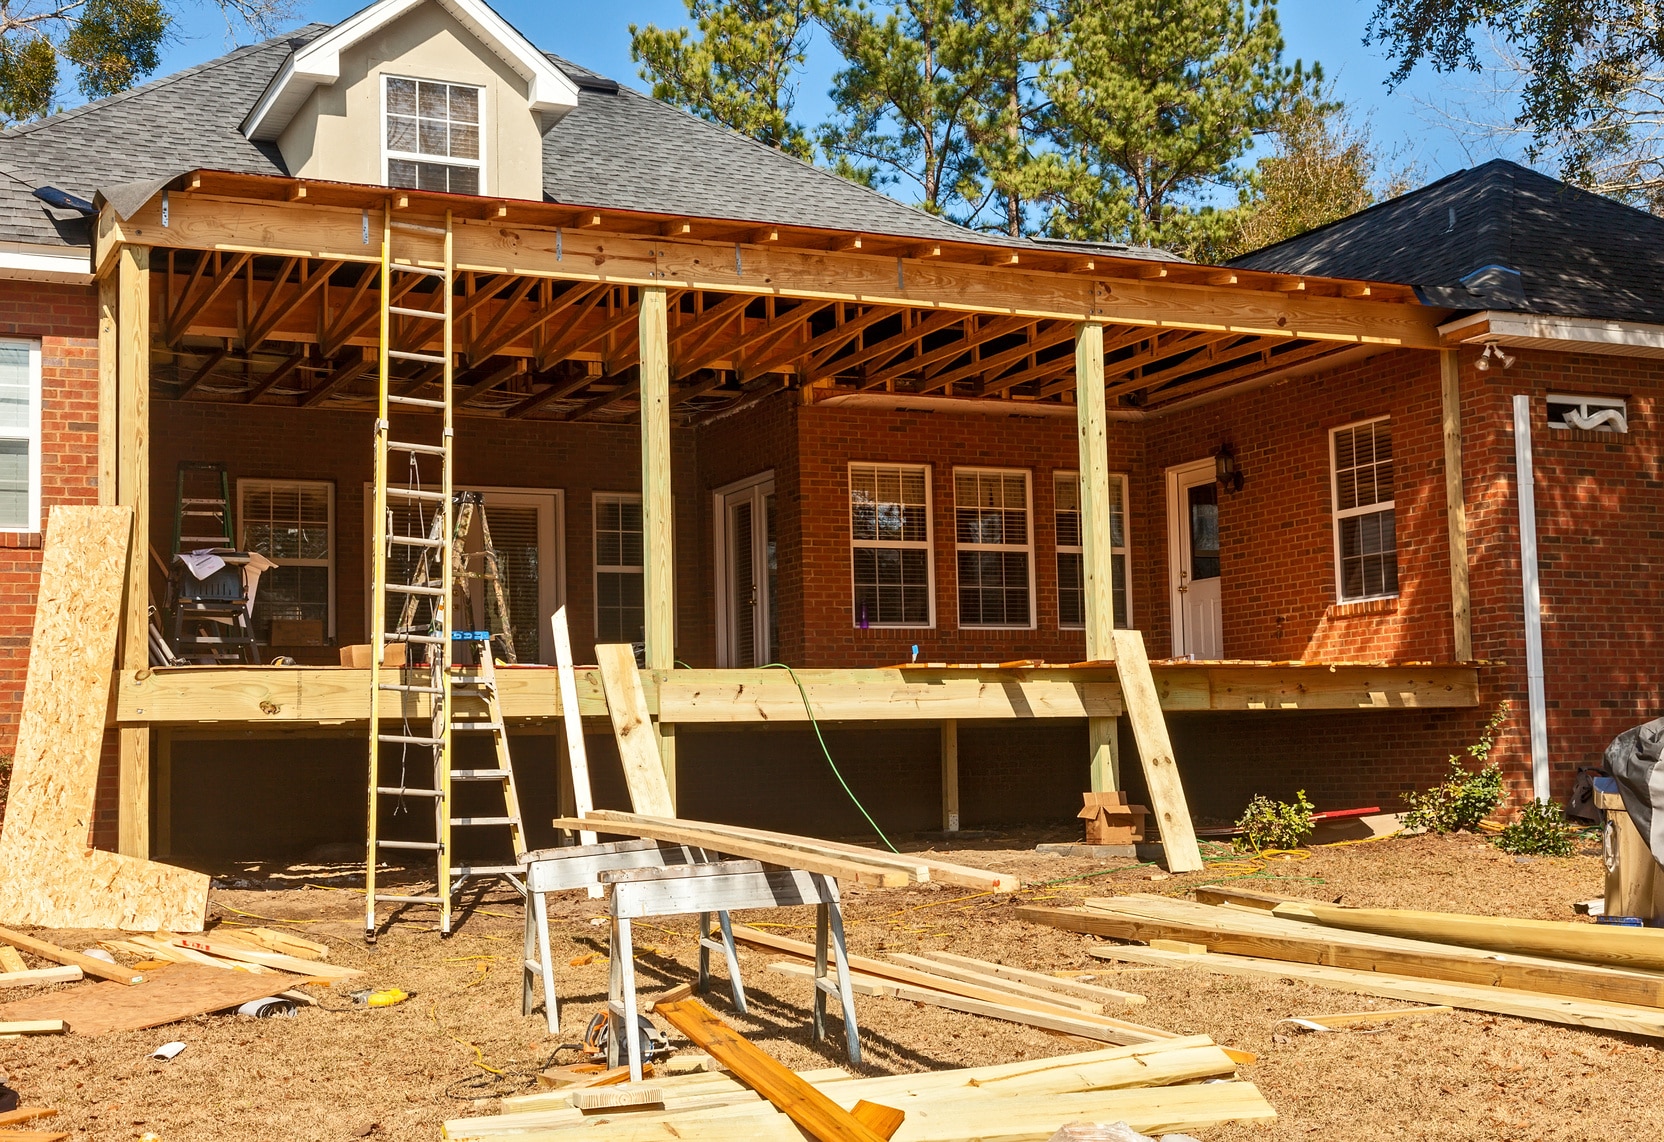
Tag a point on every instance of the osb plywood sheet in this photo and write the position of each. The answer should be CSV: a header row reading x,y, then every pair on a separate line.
x,y
48,877
167,995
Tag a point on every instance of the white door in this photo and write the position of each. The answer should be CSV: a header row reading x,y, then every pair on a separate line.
x,y
1193,547
747,633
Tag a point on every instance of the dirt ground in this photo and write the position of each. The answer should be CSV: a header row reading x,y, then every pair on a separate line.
x,y
341,1071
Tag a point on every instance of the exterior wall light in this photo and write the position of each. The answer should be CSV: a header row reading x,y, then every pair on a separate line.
x,y
1225,469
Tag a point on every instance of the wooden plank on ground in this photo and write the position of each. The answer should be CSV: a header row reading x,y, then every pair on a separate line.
x,y
10,1027
678,833
1155,754
180,992
36,1136
231,950
37,977
90,965
274,940
48,876
997,983
632,728
24,1114
808,1107
1039,979
10,962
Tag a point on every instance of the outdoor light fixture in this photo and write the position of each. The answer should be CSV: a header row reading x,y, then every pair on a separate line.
x,y
1225,469
1492,349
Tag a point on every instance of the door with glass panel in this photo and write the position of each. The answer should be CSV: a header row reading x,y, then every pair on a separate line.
x,y
747,562
1193,547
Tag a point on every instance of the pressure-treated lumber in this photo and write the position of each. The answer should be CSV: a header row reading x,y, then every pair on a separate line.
x,y
919,866
658,577
750,850
859,982
1357,1018
33,1027
10,962
232,950
1455,503
572,723
632,727
89,965
817,1114
26,1114
1040,979
1050,1018
1593,1014
274,940
1609,945
37,1136
1155,753
133,492
1015,987
48,876
36,977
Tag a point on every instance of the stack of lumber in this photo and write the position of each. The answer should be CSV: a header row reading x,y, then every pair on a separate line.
x,y
1605,978
1151,1087
30,1115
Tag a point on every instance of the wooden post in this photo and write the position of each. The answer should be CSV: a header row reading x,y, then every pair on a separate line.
x,y
950,777
1455,504
132,471
657,525
1097,559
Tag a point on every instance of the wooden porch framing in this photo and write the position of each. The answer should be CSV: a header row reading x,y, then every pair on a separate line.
x,y
262,290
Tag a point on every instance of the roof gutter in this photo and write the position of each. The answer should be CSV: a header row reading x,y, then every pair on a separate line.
x,y
1558,334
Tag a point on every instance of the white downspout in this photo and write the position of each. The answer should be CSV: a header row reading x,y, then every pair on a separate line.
x,y
1533,597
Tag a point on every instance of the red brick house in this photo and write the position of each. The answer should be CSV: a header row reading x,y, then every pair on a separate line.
x,y
871,443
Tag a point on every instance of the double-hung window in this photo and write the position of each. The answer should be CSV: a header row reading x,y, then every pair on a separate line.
x,y
1366,550
292,523
889,529
994,544
19,435
620,615
1071,556
433,136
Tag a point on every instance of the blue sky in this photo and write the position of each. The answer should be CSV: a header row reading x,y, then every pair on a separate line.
x,y
1329,31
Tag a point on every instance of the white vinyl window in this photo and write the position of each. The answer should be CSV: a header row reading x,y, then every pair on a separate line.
x,y
1071,557
1366,547
889,531
433,138
19,435
995,547
292,523
620,614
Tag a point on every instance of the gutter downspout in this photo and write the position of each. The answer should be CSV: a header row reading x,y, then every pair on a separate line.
x,y
1533,598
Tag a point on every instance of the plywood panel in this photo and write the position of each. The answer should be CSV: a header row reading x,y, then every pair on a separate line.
x,y
176,992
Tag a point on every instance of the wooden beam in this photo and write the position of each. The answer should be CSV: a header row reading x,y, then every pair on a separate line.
x,y
340,378
226,271
109,428
557,391
1055,334
277,376
1097,558
509,369
651,792
133,491
676,831
974,335
657,526
623,392
1270,363
1455,504
482,345
209,364
822,348
950,776
569,299
1155,753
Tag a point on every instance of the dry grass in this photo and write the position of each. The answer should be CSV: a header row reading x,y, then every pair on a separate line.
x,y
343,1071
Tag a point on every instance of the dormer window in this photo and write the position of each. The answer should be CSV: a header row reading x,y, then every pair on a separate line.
x,y
432,136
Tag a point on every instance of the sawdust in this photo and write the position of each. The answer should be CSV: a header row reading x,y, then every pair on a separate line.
x,y
342,1071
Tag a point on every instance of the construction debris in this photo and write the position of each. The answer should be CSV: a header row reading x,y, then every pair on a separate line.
x,y
179,992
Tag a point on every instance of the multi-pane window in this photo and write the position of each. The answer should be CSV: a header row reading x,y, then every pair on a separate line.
x,y
1366,553
433,136
292,523
993,542
889,528
1071,558
19,436
620,615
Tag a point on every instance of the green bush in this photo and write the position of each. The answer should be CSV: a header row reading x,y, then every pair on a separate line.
x,y
1464,797
1268,824
1542,830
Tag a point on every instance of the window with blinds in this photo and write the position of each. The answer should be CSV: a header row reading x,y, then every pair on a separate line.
x,y
292,523
994,545
620,614
889,528
1071,557
1366,549
19,436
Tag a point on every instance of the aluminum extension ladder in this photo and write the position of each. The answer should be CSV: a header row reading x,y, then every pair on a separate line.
x,y
424,529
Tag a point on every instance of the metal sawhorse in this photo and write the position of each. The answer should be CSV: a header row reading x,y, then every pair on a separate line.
x,y
676,890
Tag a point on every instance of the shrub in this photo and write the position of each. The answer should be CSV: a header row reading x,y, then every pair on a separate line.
x,y
1464,797
1541,830
1268,824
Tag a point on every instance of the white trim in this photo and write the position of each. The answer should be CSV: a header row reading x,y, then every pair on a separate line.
x,y
1337,513
477,163
1532,599
927,546
244,483
549,92
597,568
19,262
762,486
1026,547
30,434
1563,334
1123,569
1179,477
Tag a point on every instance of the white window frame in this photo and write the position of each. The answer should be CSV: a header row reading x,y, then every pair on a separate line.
x,y
927,545
32,435
1368,509
1123,553
1589,404
598,568
416,157
1027,547
244,483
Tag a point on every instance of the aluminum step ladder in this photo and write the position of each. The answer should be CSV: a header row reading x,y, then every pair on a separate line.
x,y
419,522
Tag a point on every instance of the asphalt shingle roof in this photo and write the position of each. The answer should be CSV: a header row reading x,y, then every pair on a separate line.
x,y
1498,236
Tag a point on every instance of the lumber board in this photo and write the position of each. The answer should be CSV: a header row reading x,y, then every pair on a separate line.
x,y
1357,1018
716,696
1608,945
38,977
1592,1014
48,875
36,1136
1040,979
1155,753
10,962
32,1027
180,992
997,983
274,940
572,723
804,1104
1064,1020
90,965
232,950
859,982
26,1114
920,866
1242,933
632,728
697,1090
837,867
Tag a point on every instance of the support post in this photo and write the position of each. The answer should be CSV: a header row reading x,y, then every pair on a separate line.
x,y
1455,505
1531,590
131,438
950,777
657,525
1097,558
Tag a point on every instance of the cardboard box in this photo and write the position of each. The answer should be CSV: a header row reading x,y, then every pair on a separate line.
x,y
1110,820
358,655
